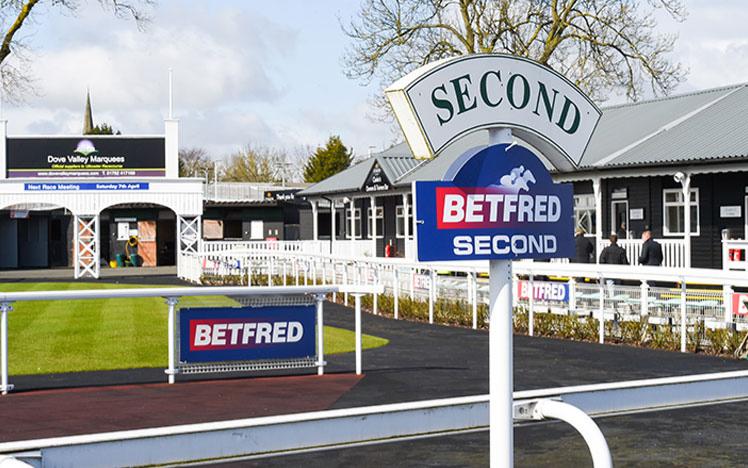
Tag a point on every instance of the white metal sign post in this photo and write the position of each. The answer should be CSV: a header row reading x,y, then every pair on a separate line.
x,y
500,347
442,102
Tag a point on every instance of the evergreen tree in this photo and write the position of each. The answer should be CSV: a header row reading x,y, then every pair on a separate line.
x,y
327,160
103,129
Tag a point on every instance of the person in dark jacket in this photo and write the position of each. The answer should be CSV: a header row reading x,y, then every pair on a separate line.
x,y
651,250
614,254
584,250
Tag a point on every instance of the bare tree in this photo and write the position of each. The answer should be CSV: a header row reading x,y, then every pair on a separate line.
x,y
604,46
16,14
194,162
254,164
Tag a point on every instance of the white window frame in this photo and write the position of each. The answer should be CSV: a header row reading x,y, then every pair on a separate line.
x,y
380,217
356,223
587,207
399,218
666,204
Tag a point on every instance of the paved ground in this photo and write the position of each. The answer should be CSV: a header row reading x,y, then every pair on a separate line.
x,y
424,362
107,274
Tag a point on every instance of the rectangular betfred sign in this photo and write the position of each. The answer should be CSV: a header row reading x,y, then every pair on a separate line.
x,y
543,291
497,203
246,333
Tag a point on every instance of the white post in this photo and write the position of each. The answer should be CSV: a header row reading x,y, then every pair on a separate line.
x,y
270,271
357,299
727,293
352,212
601,317
396,292
296,271
683,315
5,387
687,218
474,297
345,281
412,283
644,299
531,307
284,272
598,217
406,226
320,335
373,220
501,379
315,227
432,286
171,371
572,295
332,227
375,296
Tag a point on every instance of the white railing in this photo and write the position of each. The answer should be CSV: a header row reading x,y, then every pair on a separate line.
x,y
673,251
679,299
172,296
735,255
279,435
306,246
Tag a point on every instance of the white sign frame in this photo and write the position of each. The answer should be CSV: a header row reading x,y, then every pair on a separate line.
x,y
730,211
478,89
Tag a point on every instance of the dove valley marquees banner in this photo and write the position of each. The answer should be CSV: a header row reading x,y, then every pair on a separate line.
x,y
85,156
497,202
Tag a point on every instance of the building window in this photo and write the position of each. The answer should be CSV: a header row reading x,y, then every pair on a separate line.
x,y
674,212
356,223
584,213
380,222
400,219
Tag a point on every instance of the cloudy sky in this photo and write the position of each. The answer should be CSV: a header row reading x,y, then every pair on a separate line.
x,y
266,73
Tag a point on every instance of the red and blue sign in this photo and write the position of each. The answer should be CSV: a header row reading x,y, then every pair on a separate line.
x,y
497,202
543,291
211,334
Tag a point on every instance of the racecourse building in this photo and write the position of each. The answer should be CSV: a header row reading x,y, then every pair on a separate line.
x,y
641,162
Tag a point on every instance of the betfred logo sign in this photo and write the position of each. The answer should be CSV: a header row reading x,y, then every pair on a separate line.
x,y
497,202
543,291
740,303
246,333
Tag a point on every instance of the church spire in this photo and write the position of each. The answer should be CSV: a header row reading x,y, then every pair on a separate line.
x,y
88,116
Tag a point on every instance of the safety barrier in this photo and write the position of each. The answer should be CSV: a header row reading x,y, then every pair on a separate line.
x,y
172,297
680,299
341,428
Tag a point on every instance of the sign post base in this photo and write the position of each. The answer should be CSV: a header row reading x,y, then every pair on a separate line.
x,y
501,381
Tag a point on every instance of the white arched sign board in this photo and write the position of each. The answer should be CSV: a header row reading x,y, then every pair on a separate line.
x,y
468,215
445,100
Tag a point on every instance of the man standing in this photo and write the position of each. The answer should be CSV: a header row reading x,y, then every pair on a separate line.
x,y
651,250
584,249
614,254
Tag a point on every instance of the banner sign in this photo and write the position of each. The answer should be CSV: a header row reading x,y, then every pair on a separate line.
x,y
75,187
740,303
377,180
210,334
543,291
497,202
86,156
281,195
445,100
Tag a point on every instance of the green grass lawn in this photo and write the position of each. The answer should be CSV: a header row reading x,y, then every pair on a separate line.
x,y
99,334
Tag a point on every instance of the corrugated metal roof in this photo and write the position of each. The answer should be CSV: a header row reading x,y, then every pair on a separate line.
x,y
718,131
694,127
348,180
